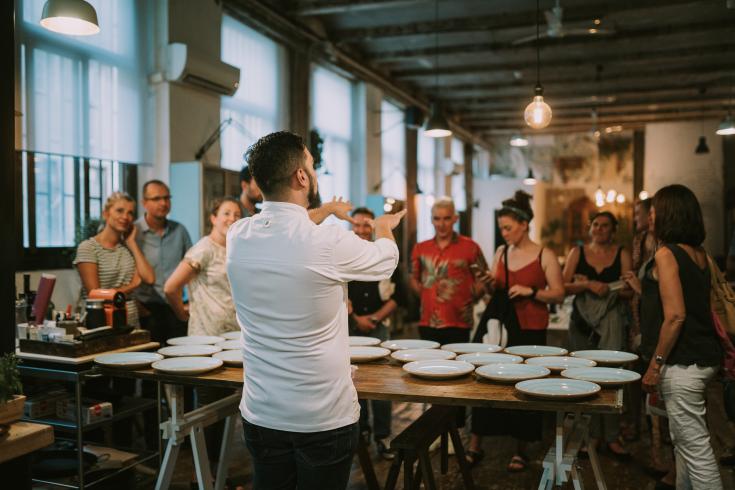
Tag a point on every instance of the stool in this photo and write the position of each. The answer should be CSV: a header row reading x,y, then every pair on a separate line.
x,y
412,445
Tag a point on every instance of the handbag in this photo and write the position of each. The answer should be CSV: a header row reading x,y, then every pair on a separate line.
x,y
497,317
722,297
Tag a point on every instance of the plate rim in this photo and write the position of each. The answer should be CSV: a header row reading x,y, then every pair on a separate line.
x,y
597,389
406,368
490,353
430,342
492,346
189,346
606,382
399,351
191,359
607,360
373,344
168,341
480,372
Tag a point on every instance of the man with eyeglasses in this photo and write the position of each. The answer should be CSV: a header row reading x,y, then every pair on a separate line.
x,y
164,243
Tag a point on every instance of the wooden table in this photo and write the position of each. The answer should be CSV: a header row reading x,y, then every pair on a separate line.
x,y
385,380
24,438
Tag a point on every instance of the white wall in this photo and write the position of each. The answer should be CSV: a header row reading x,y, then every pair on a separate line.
x,y
491,193
670,159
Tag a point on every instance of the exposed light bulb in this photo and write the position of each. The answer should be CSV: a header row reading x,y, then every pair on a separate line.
x,y
620,199
538,112
599,197
518,141
727,126
643,195
611,195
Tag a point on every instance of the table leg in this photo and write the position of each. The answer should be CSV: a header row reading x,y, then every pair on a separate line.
x,y
577,481
547,479
366,464
80,430
201,460
595,463
169,464
159,414
224,453
559,449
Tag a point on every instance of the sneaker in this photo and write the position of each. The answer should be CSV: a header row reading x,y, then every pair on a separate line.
x,y
383,451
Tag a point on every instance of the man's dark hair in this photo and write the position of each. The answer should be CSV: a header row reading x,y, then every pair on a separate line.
x,y
154,182
363,210
606,214
646,203
274,158
245,175
678,216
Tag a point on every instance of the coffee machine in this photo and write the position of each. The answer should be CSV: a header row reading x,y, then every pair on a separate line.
x,y
116,313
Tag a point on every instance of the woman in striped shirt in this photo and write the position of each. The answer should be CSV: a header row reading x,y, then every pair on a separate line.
x,y
112,258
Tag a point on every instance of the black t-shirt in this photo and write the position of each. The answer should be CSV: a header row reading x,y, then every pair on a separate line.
x,y
365,296
697,342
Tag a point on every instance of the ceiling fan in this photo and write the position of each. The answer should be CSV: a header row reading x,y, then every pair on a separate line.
x,y
555,28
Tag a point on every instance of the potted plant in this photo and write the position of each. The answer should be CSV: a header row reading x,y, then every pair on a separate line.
x,y
11,399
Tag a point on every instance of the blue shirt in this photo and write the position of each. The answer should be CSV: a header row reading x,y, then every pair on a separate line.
x,y
163,252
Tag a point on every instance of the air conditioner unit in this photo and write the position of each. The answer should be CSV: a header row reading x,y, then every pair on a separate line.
x,y
186,66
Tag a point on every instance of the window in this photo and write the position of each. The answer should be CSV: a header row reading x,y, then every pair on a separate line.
x,y
82,100
426,179
258,106
393,151
332,117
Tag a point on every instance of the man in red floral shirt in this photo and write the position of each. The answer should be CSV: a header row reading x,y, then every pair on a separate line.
x,y
444,276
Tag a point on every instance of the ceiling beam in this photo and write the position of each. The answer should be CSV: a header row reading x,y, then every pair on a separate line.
x,y
643,56
501,20
659,33
315,7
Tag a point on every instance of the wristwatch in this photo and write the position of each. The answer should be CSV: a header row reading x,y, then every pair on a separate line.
x,y
374,319
659,360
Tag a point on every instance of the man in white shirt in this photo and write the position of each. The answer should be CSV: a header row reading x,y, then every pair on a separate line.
x,y
288,279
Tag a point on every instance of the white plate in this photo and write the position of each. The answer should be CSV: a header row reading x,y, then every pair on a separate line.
x,y
189,350
439,369
361,353
482,358
229,357
602,375
409,344
232,335
535,350
195,340
412,355
357,340
229,344
128,360
187,365
614,357
557,388
511,372
469,347
560,363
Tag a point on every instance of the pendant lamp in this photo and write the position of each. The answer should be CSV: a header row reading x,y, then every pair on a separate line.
x,y
530,179
538,112
518,140
437,125
71,17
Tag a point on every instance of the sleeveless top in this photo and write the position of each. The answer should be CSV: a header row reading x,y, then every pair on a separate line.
x,y
697,342
611,273
531,314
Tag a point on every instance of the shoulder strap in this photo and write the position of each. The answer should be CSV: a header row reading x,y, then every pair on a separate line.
x,y
505,264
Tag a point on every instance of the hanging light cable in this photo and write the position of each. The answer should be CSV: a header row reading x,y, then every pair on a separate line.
x,y
538,112
437,125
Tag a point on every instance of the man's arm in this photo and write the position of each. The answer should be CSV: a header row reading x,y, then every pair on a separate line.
x,y
341,209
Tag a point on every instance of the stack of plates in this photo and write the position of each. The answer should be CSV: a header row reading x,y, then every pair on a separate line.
x,y
128,360
357,340
409,344
367,353
609,357
557,388
535,350
482,358
187,365
604,376
511,373
189,350
411,355
439,369
560,363
229,344
195,340
229,357
469,347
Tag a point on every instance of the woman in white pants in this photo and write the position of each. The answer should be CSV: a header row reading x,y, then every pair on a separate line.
x,y
677,332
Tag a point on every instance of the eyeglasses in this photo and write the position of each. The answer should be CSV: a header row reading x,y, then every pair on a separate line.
x,y
158,198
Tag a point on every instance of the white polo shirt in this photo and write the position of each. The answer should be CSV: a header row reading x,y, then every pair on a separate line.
x,y
288,279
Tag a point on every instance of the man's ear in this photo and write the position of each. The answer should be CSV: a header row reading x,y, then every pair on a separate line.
x,y
302,177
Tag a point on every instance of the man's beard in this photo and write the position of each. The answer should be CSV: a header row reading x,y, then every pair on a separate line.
x,y
315,200
253,198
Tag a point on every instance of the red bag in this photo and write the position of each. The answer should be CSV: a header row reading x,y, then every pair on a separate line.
x,y
728,359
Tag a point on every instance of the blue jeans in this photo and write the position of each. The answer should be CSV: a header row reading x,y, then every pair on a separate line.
x,y
287,460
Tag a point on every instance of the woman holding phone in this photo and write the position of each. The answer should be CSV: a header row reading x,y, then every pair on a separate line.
x,y
112,259
599,318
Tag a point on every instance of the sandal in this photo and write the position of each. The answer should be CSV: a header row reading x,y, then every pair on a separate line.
x,y
474,457
623,455
517,464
